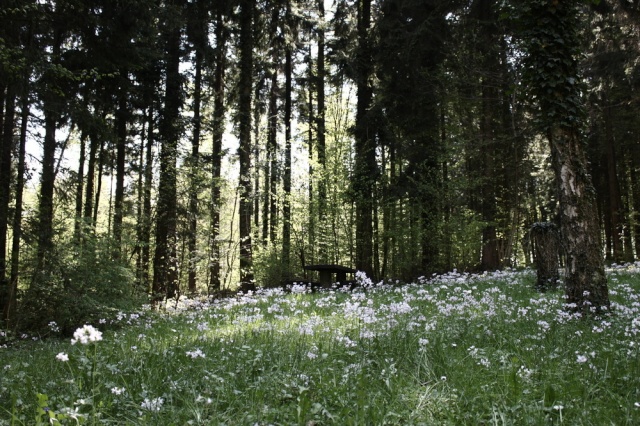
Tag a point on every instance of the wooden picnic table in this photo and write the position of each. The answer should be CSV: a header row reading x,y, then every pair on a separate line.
x,y
326,271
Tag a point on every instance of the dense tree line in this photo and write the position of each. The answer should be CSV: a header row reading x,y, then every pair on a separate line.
x,y
162,147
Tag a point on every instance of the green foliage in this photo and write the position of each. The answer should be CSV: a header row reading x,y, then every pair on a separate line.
x,y
82,284
269,270
549,36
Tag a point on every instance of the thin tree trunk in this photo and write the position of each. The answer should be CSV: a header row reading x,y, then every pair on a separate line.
x,y
364,145
613,190
217,132
321,134
139,200
122,116
312,202
195,162
286,208
165,262
96,201
9,307
5,184
77,226
91,167
52,104
145,226
244,150
490,260
272,160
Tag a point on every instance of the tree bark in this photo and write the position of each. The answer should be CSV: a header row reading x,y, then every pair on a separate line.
x,y
270,214
551,40
122,116
5,183
286,207
52,104
165,264
365,164
321,135
94,144
145,225
9,308
194,175
613,190
244,150
585,280
217,132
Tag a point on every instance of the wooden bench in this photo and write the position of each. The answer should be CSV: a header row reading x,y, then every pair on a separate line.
x,y
327,271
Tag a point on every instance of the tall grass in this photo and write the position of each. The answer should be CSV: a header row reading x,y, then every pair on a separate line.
x,y
455,349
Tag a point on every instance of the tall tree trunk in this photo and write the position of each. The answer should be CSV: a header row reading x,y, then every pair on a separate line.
x,y
139,199
244,150
490,259
94,143
122,117
613,189
77,226
286,208
321,133
165,264
216,156
312,202
269,216
9,307
635,194
52,103
5,183
195,176
552,44
585,280
145,225
365,162
96,196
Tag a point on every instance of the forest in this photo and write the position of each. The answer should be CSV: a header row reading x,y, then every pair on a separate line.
x,y
156,148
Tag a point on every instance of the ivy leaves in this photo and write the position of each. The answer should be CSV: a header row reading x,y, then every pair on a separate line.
x,y
550,39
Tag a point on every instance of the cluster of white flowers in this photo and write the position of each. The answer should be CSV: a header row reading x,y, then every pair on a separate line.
x,y
63,357
53,326
196,354
117,390
86,334
154,404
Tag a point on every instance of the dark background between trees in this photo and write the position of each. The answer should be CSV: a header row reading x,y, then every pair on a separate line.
x,y
167,147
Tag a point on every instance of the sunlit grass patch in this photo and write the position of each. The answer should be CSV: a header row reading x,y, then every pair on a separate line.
x,y
454,349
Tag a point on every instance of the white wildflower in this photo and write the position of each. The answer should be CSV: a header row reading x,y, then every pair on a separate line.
x,y
154,404
86,335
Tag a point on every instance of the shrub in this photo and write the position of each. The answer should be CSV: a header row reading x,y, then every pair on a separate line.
x,y
80,284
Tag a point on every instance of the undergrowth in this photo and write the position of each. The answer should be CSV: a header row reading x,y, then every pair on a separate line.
x,y
454,349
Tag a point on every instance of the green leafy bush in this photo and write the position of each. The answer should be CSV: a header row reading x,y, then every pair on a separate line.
x,y
81,283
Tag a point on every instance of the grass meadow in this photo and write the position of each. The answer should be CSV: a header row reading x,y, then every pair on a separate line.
x,y
456,349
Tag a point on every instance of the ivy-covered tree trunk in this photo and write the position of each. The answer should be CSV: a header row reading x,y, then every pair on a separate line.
x,y
552,45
